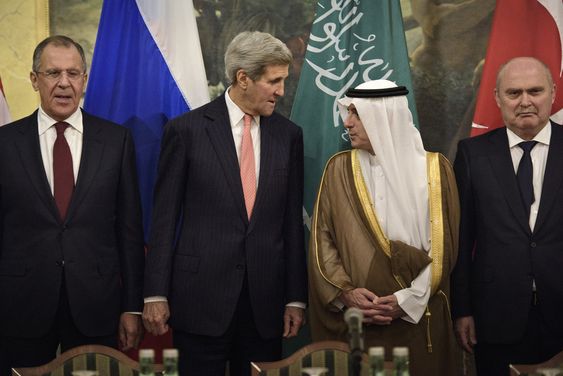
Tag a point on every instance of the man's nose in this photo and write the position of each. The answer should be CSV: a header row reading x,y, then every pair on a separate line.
x,y
526,100
63,80
348,122
280,90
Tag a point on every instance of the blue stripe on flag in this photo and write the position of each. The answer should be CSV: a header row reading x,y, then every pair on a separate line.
x,y
131,84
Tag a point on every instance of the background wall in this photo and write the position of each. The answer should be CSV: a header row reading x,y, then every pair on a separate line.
x,y
23,23
446,40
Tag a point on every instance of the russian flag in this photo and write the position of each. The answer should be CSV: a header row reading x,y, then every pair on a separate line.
x,y
147,68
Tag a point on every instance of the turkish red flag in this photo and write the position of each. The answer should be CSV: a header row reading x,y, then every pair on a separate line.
x,y
521,28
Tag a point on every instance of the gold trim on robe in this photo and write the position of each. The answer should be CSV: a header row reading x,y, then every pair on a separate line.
x,y
348,249
435,207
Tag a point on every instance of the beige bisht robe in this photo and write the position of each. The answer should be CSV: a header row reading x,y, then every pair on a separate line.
x,y
348,250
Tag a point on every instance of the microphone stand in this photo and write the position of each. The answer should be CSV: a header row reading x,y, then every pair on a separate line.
x,y
356,362
354,318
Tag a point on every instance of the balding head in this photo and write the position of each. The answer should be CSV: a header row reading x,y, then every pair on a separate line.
x,y
520,60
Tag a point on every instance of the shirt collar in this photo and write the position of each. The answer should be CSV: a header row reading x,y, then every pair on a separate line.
x,y
236,115
542,137
45,122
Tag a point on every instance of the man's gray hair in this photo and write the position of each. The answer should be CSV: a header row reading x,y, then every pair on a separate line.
x,y
253,51
57,41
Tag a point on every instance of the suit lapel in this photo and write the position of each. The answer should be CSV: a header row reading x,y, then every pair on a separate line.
x,y
30,153
218,128
92,149
553,176
503,168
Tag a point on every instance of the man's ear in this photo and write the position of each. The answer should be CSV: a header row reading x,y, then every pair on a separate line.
x,y
242,79
33,79
497,98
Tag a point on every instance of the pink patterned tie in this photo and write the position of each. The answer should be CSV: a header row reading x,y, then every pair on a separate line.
x,y
248,166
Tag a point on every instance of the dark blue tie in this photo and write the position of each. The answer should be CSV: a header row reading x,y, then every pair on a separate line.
x,y
524,175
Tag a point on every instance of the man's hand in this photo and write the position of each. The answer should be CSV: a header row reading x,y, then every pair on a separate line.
x,y
155,317
130,331
359,297
293,320
387,309
465,332
363,299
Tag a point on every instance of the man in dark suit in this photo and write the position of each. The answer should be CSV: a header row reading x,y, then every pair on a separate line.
x,y
71,243
507,286
233,270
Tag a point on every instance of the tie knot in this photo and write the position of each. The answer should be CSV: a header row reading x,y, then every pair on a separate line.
x,y
527,146
60,127
247,120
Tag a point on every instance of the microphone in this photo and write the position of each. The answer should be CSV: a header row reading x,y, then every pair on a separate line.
x,y
353,318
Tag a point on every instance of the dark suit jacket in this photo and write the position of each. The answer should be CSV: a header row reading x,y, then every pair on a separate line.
x,y
100,241
202,271
496,285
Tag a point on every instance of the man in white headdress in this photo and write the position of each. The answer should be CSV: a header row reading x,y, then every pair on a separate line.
x,y
384,234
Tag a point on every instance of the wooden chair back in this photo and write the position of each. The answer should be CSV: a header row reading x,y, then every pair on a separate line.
x,y
333,355
106,361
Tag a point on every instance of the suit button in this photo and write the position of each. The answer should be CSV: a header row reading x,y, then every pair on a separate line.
x,y
533,244
240,267
60,263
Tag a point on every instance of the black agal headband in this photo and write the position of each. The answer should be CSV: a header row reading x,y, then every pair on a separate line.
x,y
375,93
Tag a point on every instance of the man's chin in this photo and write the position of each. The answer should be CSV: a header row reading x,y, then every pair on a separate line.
x,y
60,115
267,112
529,123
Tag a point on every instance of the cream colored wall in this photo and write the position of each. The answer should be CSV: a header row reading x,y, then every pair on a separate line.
x,y
23,24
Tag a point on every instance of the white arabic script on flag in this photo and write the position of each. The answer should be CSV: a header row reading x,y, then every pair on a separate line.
x,y
335,46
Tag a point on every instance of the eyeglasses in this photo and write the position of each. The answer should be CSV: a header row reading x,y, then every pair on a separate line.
x,y
56,74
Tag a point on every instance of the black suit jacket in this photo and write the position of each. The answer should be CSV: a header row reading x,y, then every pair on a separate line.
x,y
200,265
495,286
100,241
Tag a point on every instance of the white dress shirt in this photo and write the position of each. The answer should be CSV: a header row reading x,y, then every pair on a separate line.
x,y
236,117
539,160
48,135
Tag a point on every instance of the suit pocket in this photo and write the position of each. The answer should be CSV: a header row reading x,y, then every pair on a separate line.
x,y
12,268
186,263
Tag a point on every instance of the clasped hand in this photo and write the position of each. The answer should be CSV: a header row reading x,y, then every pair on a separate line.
x,y
377,310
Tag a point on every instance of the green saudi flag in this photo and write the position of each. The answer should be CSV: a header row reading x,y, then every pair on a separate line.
x,y
351,41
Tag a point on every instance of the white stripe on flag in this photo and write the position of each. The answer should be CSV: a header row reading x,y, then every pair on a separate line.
x,y
172,25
